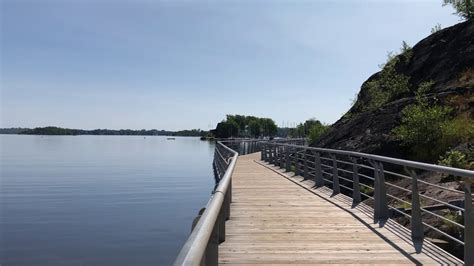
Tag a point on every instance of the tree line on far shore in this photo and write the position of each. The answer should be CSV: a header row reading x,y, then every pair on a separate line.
x,y
67,131
234,126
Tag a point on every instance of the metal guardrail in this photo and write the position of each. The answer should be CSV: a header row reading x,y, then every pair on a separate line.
x,y
364,175
201,248
208,230
367,174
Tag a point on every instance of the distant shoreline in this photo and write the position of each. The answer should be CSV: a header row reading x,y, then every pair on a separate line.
x,y
57,131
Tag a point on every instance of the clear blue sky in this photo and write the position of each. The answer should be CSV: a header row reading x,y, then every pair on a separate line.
x,y
185,64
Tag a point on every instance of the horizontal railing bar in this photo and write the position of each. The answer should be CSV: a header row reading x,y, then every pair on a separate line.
x,y
395,186
441,187
441,217
366,176
398,199
443,233
399,211
367,186
424,182
341,185
442,202
412,164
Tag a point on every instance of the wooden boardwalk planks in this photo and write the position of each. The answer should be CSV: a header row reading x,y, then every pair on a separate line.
x,y
280,219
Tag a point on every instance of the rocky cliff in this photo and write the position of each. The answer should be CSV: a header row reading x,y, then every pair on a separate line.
x,y
445,58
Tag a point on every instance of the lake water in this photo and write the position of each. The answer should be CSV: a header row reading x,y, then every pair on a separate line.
x,y
100,200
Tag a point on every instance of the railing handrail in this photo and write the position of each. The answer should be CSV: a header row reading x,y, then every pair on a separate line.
x,y
408,163
195,246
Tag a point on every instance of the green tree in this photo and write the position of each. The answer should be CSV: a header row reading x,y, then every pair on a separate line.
x,y
389,84
316,131
269,128
464,8
240,120
255,128
227,129
422,124
421,129
245,126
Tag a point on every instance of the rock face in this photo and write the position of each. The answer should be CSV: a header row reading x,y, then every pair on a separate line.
x,y
445,57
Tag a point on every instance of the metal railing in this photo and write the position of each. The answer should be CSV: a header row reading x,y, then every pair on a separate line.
x,y
248,146
364,176
208,229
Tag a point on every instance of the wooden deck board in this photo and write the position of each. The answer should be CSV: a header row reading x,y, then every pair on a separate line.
x,y
278,219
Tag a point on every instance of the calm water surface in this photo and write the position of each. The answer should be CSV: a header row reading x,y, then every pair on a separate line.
x,y
99,200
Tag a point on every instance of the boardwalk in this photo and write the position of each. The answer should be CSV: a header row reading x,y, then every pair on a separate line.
x,y
278,219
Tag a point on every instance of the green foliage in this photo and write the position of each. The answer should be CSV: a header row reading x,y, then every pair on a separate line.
x,y
428,130
227,129
245,126
268,126
366,190
142,132
457,130
239,120
452,228
254,128
50,131
422,128
387,86
404,205
454,158
406,52
464,8
436,28
311,128
316,131
423,89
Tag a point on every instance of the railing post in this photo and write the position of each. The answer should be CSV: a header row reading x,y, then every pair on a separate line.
x,y
380,195
335,176
318,177
270,153
417,233
287,157
356,198
297,163
229,200
212,248
305,165
468,224
281,156
221,222
267,152
275,155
